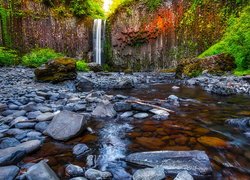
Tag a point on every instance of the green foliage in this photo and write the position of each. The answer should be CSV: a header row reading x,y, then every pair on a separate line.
x,y
107,68
153,4
5,15
236,40
37,57
86,8
8,57
82,66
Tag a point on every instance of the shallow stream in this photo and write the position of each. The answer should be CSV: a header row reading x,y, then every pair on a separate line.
x,y
200,116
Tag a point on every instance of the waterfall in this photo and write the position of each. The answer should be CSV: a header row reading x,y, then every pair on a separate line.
x,y
98,40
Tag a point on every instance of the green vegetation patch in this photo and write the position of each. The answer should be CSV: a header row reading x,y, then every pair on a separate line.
x,y
8,57
236,41
82,66
37,57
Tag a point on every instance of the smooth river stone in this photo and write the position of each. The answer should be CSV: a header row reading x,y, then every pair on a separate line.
x,y
213,142
66,125
195,162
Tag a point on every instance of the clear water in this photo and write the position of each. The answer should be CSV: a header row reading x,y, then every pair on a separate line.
x,y
200,114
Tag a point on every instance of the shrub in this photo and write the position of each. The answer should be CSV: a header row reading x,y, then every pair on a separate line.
x,y
37,57
236,40
8,57
82,66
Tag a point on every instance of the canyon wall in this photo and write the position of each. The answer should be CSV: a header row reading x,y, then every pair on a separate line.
x,y
33,24
142,39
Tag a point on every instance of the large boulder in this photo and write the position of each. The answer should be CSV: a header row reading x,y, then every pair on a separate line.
x,y
41,171
66,125
12,155
216,64
95,67
57,70
195,162
104,110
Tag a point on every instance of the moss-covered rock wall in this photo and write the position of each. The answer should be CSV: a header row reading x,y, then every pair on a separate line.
x,y
142,39
33,24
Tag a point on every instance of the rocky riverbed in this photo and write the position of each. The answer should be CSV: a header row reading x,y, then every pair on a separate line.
x,y
34,113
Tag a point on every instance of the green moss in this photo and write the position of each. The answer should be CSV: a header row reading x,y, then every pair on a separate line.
x,y
8,57
236,40
37,57
5,17
82,66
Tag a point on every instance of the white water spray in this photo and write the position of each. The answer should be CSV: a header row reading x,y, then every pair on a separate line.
x,y
98,40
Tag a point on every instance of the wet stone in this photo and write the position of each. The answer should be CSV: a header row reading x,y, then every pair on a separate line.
x,y
45,116
184,175
126,115
213,142
80,149
156,173
195,162
93,174
74,170
8,172
41,171
33,115
25,125
141,115
41,126
122,106
8,142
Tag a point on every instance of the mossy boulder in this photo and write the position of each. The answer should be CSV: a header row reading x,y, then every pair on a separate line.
x,y
216,64
57,70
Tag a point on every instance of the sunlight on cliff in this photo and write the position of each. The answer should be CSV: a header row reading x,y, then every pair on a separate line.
x,y
107,5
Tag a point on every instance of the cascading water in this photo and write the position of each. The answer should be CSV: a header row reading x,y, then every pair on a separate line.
x,y
98,40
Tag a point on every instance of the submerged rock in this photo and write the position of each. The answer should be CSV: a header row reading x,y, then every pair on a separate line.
x,y
57,70
41,171
213,142
66,125
8,172
156,173
195,162
104,110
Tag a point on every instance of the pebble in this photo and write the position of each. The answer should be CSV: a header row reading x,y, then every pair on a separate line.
x,y
141,115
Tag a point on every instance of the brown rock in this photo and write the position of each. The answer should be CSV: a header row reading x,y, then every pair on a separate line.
x,y
213,142
57,70
150,143
213,64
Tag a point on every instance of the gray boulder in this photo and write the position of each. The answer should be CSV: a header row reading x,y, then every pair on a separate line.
x,y
8,172
66,125
156,173
122,106
195,162
41,171
104,110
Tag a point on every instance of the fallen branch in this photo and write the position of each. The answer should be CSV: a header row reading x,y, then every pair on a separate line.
x,y
149,105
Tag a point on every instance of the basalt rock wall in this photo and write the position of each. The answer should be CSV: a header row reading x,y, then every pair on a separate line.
x,y
32,24
143,39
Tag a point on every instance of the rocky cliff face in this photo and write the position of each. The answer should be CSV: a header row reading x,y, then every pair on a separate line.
x,y
34,24
148,40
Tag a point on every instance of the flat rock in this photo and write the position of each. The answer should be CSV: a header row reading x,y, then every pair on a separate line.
x,y
195,162
141,115
13,155
78,178
159,112
104,110
8,172
8,142
122,106
126,115
41,171
18,120
156,173
93,174
45,116
66,125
